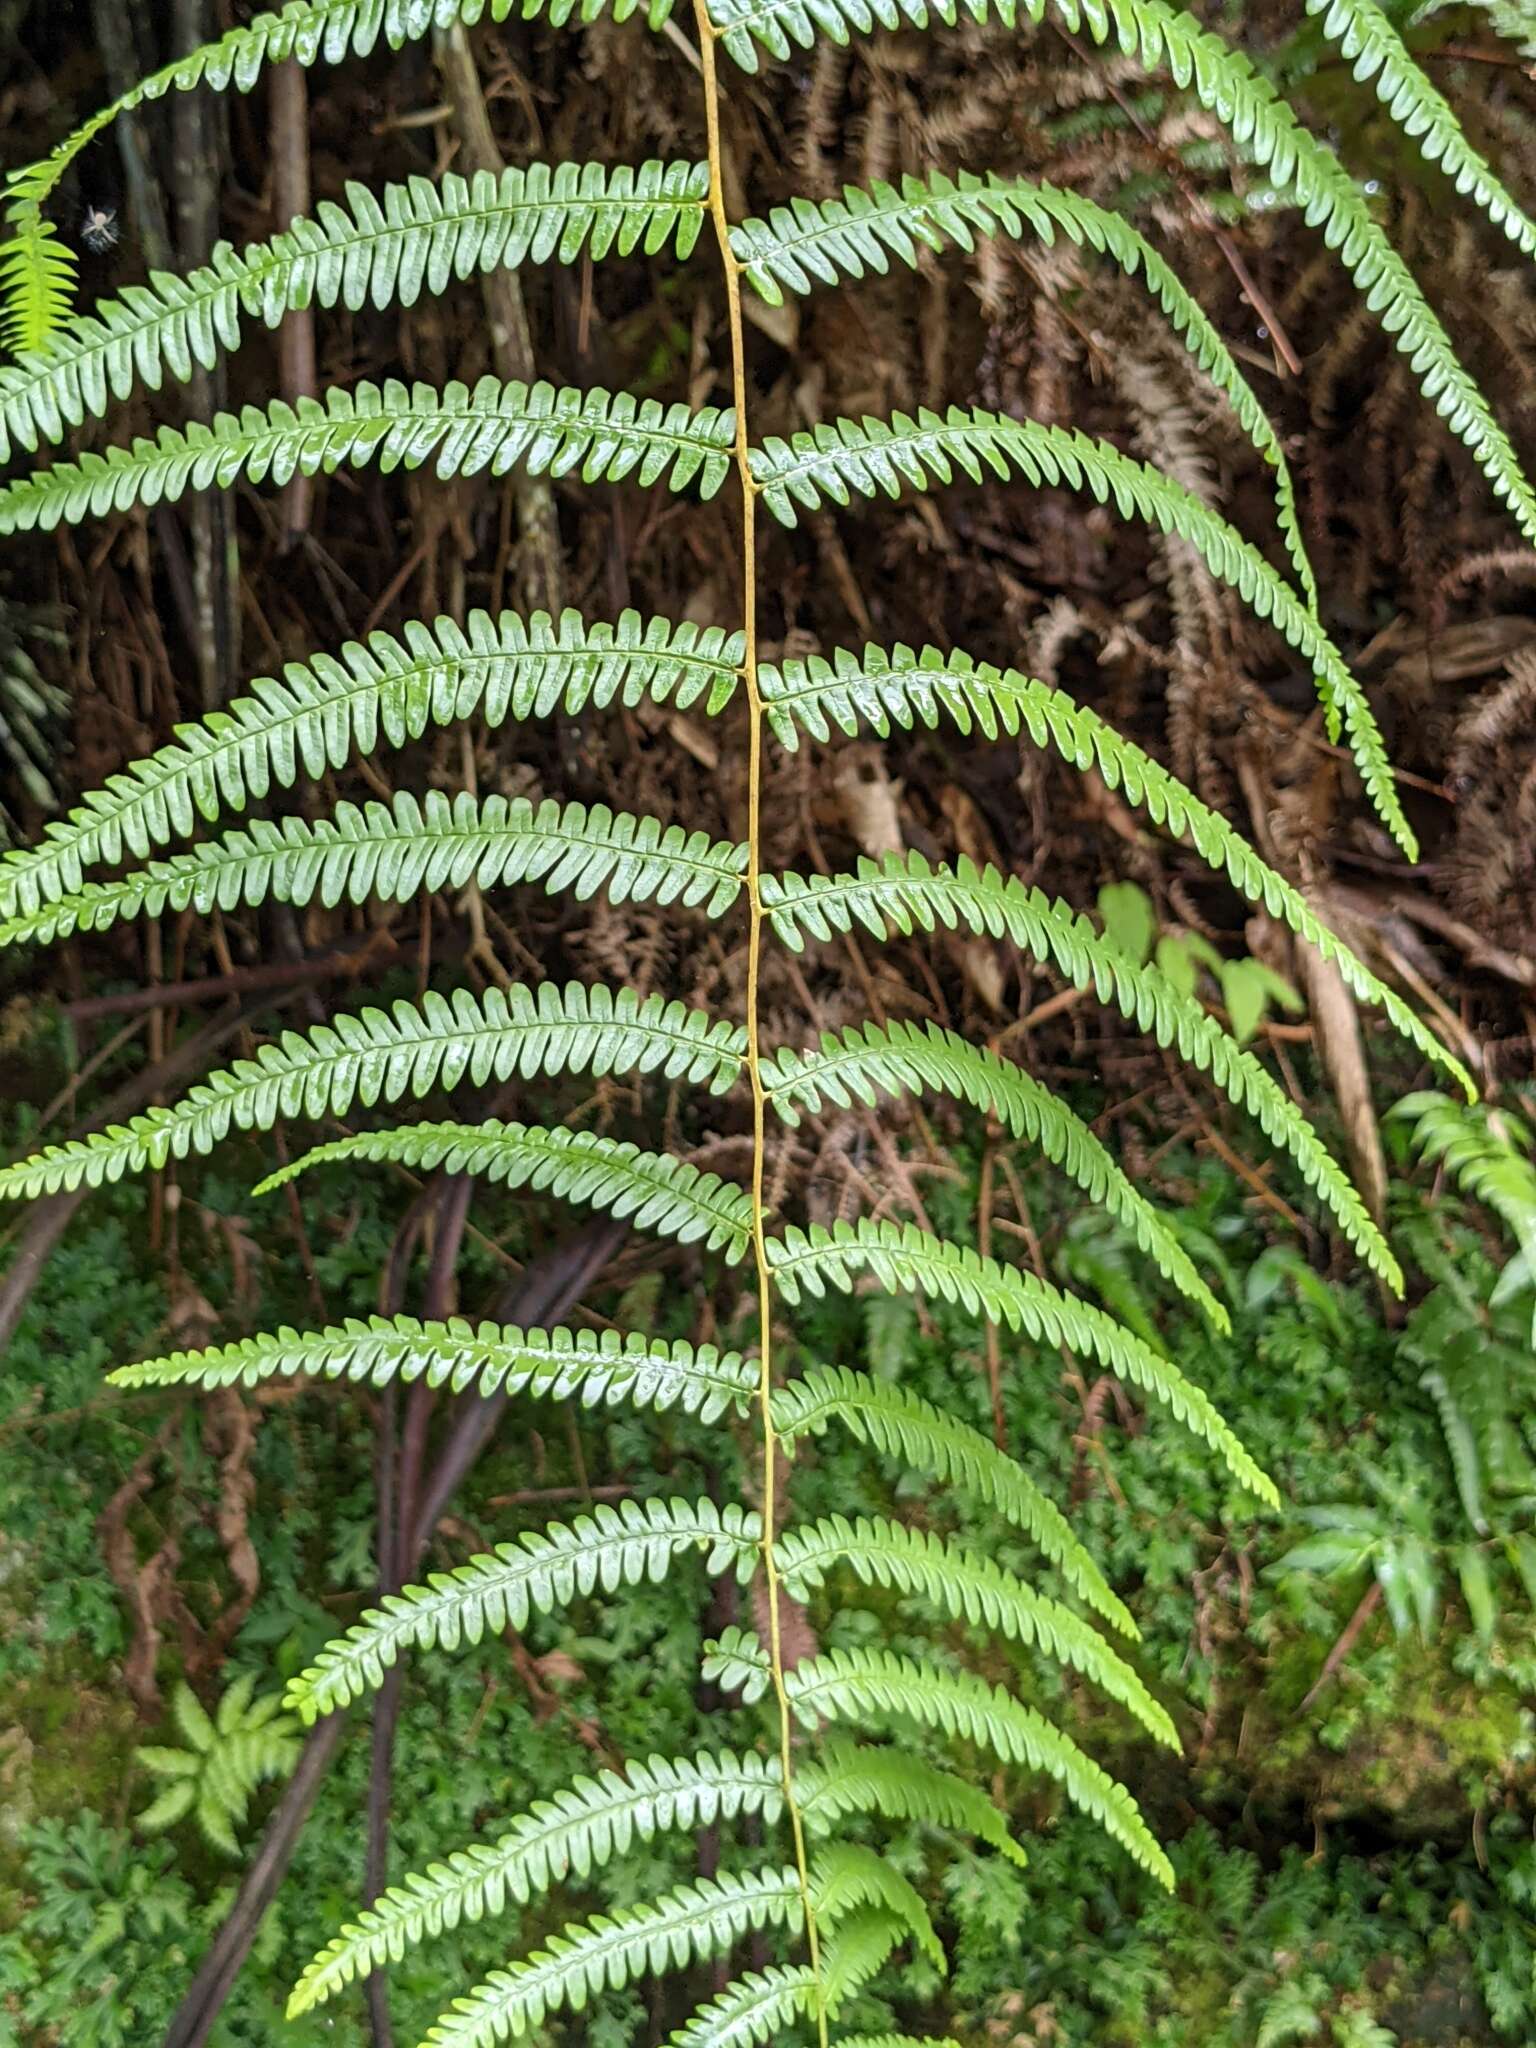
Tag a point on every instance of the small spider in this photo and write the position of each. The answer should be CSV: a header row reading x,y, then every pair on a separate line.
x,y
98,229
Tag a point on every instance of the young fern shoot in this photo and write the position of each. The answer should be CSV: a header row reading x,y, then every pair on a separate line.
x,y
849,1731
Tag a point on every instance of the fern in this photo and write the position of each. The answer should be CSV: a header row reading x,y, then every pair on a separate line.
x,y
857,1778
386,249
832,462
598,1368
899,1059
571,1835
970,1587
535,1574
1365,35
903,687
654,1190
846,1876
756,2007
380,1058
799,246
228,1755
906,892
385,693
606,436
611,1950
396,851
900,1257
806,1762
1161,35
865,1685
924,1438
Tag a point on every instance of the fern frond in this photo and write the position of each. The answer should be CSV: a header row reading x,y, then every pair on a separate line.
x,y
858,1686
855,1951
407,1052
1487,1152
846,1876
924,1438
567,1836
967,1586
906,1059
756,2007
902,1258
405,848
902,687
905,891
605,435
893,2041
609,1951
385,693
598,1368
831,462
653,1189
534,1573
1160,34
1377,54
37,280
304,32
855,1778
383,248
810,242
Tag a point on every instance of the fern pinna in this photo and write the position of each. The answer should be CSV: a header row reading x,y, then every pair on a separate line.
x,y
828,1734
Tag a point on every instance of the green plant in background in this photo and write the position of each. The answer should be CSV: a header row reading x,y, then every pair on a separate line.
x,y
1248,987
809,1884
243,1744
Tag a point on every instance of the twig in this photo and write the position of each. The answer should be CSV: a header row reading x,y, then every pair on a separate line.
x,y
345,964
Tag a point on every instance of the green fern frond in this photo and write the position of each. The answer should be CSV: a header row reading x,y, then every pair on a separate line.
x,y
1160,34
598,1368
228,1756
386,692
810,242
37,280
855,1951
905,892
858,1686
407,1052
907,1059
829,462
846,1876
757,2007
967,1586
567,1836
607,436
737,1661
904,687
399,850
609,1951
535,1573
902,1258
383,248
893,2041
923,1438
1376,53
305,32
1487,1151
653,1189
856,1778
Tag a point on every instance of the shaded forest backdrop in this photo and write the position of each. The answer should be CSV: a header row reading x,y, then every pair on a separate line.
x,y
1353,1676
